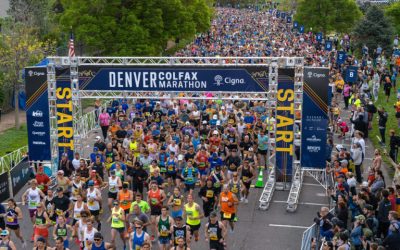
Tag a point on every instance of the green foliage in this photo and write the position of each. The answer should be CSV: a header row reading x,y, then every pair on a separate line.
x,y
393,12
13,139
328,15
133,27
373,30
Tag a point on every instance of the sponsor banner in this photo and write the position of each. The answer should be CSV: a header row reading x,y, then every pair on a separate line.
x,y
318,37
283,15
64,116
341,57
328,45
278,13
284,126
4,187
315,117
235,79
37,114
20,175
295,24
351,74
288,19
301,29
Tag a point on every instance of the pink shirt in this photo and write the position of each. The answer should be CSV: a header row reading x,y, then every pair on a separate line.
x,y
104,119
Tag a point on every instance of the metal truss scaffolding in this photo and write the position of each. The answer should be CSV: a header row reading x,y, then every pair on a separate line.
x,y
51,83
273,64
297,178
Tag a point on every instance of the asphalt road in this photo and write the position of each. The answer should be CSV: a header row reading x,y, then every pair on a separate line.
x,y
256,229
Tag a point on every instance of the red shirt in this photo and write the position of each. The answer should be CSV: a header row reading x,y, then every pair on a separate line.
x,y
42,179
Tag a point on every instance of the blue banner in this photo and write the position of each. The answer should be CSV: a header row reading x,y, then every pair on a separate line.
x,y
283,15
271,11
278,13
328,45
37,114
295,24
284,131
171,79
396,52
301,29
341,57
351,74
315,117
318,37
288,19
64,117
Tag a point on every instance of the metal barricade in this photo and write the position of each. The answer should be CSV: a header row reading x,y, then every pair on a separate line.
x,y
9,160
308,235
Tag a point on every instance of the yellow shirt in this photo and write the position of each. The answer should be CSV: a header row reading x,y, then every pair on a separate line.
x,y
192,212
339,84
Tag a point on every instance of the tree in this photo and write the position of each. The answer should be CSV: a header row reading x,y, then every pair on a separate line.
x,y
393,12
328,15
133,27
373,30
19,48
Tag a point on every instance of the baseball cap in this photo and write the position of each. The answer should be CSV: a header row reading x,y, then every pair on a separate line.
x,y
180,157
112,172
251,149
214,155
204,122
187,123
41,239
4,233
369,207
59,189
360,217
178,218
90,183
95,149
215,117
364,184
60,172
218,123
215,132
344,161
98,137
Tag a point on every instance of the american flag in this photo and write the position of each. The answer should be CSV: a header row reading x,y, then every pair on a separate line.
x,y
71,47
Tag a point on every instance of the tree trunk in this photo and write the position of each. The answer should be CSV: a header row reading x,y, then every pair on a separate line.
x,y
16,107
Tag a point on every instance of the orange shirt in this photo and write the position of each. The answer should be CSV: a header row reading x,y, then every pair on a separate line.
x,y
125,199
224,200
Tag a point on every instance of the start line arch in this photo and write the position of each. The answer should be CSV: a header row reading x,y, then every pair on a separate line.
x,y
277,81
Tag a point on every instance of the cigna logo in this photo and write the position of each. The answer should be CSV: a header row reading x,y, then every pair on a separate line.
x,y
35,73
219,80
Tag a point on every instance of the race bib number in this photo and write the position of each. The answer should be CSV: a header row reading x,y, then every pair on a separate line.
x,y
154,201
78,215
41,187
189,179
245,178
210,193
113,189
164,233
177,202
32,204
171,168
217,184
227,215
59,212
124,203
91,202
234,190
213,236
115,219
10,219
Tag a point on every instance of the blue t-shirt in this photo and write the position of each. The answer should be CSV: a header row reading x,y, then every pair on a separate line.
x,y
262,142
190,175
123,166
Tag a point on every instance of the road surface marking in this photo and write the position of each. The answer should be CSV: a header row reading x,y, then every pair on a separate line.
x,y
312,184
305,203
287,226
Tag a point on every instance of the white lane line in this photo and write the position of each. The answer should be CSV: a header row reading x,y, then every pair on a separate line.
x,y
287,226
312,184
305,203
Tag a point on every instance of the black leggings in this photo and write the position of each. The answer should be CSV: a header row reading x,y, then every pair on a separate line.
x,y
104,130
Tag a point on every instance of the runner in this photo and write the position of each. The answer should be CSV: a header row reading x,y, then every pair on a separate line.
x,y
117,222
248,174
164,223
228,204
190,176
79,206
155,197
138,237
143,205
32,195
202,164
88,234
99,243
5,241
60,244
215,233
60,231
13,214
42,179
175,201
209,196
114,183
49,204
181,245
125,198
93,202
180,231
77,187
79,228
42,222
193,215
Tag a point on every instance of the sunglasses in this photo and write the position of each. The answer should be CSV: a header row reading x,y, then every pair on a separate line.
x,y
115,204
97,239
138,227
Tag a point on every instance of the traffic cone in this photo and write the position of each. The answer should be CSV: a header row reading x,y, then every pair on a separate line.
x,y
260,179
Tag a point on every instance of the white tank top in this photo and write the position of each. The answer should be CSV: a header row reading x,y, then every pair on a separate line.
x,y
78,210
92,203
113,185
75,189
88,236
81,229
33,198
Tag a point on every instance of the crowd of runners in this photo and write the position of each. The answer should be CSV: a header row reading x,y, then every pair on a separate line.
x,y
155,159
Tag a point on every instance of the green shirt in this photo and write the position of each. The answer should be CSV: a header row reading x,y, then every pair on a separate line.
x,y
143,205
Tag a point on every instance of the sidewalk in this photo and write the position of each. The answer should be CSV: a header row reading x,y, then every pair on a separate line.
x,y
8,120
